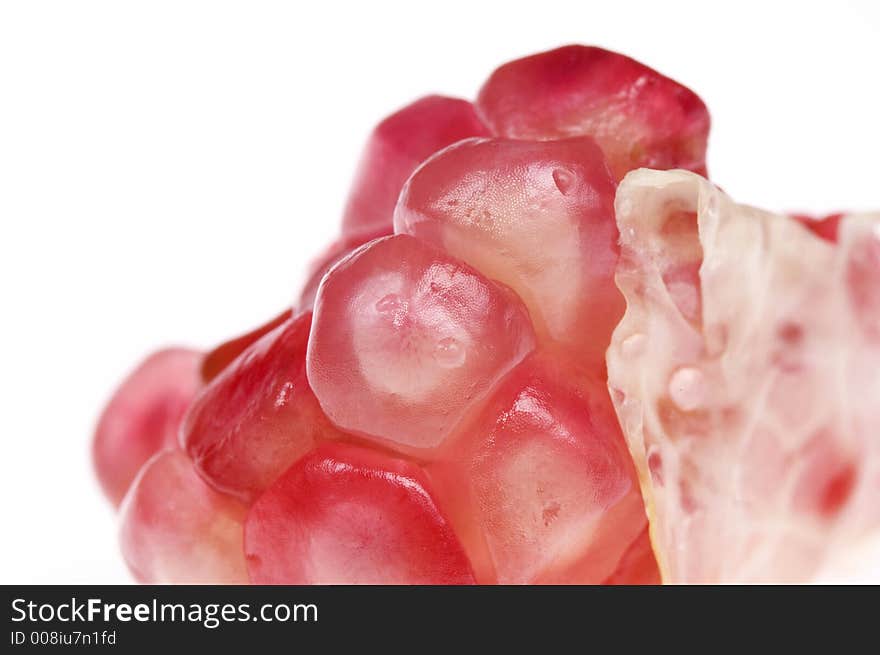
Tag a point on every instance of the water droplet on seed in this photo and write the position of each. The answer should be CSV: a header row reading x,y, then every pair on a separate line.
x,y
564,180
633,345
687,388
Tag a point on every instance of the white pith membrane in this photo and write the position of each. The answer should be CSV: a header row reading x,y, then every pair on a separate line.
x,y
749,393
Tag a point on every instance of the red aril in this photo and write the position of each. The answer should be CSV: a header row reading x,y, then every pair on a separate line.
x,y
220,357
396,147
335,252
433,409
544,473
143,416
405,339
637,566
347,515
537,216
176,529
258,416
639,117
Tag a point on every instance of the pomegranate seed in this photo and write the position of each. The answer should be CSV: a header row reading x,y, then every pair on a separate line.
x,y
433,409
336,252
548,479
639,117
258,416
347,515
396,147
537,216
178,530
143,416
405,339
219,358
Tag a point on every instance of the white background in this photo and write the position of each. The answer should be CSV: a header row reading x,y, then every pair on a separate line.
x,y
168,168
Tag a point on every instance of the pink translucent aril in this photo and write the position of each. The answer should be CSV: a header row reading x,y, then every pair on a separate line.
x,y
537,216
544,473
258,416
176,529
396,147
639,117
637,566
143,416
346,515
405,339
335,252
221,356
